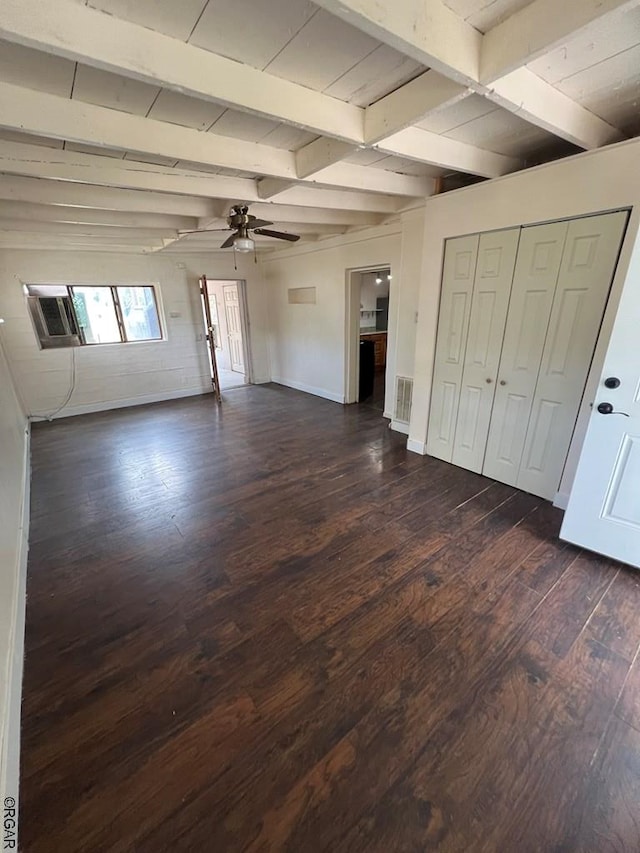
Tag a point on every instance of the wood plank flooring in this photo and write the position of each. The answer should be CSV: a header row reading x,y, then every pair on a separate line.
x,y
267,627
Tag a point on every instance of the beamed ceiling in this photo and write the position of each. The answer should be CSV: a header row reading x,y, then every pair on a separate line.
x,y
126,122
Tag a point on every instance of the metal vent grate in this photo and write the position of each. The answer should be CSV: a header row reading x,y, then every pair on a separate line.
x,y
404,393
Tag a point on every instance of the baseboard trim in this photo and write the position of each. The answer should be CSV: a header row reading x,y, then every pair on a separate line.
x,y
10,736
561,500
309,389
417,446
143,399
397,426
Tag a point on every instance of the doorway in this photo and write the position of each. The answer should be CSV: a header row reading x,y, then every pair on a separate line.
x,y
367,335
225,314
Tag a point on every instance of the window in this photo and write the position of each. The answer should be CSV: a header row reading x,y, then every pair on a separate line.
x,y
84,315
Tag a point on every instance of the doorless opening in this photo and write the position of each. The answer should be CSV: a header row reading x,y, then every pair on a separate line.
x,y
367,333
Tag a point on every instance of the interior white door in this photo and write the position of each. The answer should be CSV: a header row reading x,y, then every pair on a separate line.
x,y
534,285
460,256
587,268
492,285
603,513
234,327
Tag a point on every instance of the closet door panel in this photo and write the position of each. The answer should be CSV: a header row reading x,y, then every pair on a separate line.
x,y
586,272
453,325
494,274
534,284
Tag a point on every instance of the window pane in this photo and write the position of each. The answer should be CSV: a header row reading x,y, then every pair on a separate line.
x,y
139,312
96,314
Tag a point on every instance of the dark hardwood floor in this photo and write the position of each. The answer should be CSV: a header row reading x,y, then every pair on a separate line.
x,y
268,627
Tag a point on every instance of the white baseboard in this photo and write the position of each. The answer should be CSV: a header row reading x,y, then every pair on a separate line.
x,y
417,446
561,500
143,399
309,389
10,736
396,426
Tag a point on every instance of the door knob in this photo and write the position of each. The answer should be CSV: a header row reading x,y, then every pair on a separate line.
x,y
612,382
503,381
607,409
488,380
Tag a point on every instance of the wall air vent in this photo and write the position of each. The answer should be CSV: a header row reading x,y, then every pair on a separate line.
x,y
404,393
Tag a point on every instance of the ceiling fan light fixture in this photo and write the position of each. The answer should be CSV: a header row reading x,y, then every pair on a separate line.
x,y
244,244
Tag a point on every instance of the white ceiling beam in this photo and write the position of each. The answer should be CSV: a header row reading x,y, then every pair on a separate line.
x,y
428,93
532,98
271,187
39,240
321,153
29,111
17,188
80,230
38,161
359,177
426,30
288,213
427,147
538,29
35,243
85,216
341,200
430,33
77,32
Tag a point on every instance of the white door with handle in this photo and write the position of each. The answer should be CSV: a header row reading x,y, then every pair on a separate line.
x,y
534,286
234,327
603,513
460,258
494,273
586,272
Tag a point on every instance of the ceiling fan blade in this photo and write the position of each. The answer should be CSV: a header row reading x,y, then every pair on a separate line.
x,y
280,235
229,241
258,223
203,231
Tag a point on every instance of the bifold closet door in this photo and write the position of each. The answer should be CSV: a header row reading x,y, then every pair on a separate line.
x,y
587,269
460,255
534,286
495,266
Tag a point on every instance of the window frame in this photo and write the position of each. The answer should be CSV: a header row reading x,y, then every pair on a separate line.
x,y
74,338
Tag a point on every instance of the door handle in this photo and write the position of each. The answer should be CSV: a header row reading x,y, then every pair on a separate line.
x,y
607,409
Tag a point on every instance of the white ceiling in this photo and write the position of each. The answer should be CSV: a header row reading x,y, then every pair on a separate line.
x,y
596,66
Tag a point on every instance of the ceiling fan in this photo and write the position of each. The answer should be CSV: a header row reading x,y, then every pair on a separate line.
x,y
241,222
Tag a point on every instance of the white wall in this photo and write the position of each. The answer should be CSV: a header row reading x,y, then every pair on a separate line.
x,y
606,179
308,342
115,374
13,558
